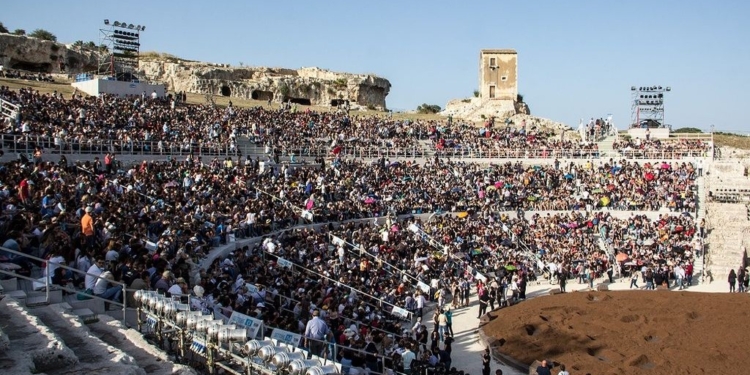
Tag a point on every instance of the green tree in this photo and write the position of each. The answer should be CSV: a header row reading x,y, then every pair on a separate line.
x,y
19,32
688,130
43,35
428,108
476,93
90,45
3,29
519,98
103,48
78,43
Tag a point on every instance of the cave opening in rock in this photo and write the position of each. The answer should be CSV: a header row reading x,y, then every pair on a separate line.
x,y
339,102
30,67
300,101
225,91
262,95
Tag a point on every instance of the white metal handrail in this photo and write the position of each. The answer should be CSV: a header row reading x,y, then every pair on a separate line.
x,y
47,279
8,109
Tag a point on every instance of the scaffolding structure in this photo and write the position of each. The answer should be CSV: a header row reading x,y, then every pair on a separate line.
x,y
123,42
647,106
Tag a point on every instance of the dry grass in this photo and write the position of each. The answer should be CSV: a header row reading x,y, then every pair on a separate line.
x,y
43,87
735,141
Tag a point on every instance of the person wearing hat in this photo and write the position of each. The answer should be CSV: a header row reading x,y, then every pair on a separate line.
x,y
87,228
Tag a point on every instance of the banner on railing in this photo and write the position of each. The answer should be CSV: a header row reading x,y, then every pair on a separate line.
x,y
286,337
400,312
423,287
284,263
252,325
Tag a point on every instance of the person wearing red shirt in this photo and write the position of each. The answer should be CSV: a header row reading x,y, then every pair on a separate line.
x,y
24,190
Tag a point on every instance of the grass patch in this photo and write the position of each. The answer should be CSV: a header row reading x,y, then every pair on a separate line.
x,y
43,87
732,140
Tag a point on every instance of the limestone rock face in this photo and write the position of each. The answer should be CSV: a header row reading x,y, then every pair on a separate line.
x,y
307,85
36,55
477,110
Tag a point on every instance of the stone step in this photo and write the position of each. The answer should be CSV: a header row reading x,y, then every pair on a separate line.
x,y
151,359
32,347
94,356
87,316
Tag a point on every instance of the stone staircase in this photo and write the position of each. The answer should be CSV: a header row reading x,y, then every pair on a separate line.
x,y
729,232
248,147
606,146
60,338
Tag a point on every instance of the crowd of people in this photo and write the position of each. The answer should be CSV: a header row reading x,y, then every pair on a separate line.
x,y
145,124
150,225
653,148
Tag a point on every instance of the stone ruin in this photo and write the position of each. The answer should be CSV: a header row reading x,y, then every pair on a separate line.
x,y
307,86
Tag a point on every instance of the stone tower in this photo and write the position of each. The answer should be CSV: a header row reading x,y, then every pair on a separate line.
x,y
498,74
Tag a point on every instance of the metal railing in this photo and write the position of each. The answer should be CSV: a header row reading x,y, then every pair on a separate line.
x,y
48,285
60,146
8,109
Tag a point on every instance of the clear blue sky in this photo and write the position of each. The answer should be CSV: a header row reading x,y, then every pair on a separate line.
x,y
577,59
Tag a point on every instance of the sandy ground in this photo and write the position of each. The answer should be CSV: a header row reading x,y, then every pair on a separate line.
x,y
468,347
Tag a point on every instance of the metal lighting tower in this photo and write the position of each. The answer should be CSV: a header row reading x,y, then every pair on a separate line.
x,y
123,42
647,107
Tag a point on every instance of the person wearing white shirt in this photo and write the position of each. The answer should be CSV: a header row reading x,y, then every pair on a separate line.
x,y
103,288
178,288
407,357
92,272
420,304
53,263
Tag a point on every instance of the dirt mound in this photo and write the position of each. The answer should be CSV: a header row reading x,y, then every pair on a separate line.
x,y
636,332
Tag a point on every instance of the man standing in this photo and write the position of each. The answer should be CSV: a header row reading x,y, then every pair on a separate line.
x,y
408,357
420,300
87,229
315,335
486,362
562,278
484,300
543,369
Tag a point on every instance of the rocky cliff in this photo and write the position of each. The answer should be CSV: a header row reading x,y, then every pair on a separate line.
x,y
36,55
305,86
313,86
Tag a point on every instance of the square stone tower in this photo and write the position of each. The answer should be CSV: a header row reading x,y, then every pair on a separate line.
x,y
498,74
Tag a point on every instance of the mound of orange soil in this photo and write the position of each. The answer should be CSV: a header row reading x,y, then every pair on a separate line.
x,y
627,333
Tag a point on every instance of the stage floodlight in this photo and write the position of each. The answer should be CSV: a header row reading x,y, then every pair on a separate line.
x,y
106,21
659,87
117,24
124,24
661,96
632,88
669,88
143,28
131,26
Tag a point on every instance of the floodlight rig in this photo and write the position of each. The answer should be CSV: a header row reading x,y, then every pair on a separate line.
x,y
122,43
647,103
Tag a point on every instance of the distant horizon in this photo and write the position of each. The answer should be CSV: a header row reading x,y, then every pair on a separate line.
x,y
576,60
